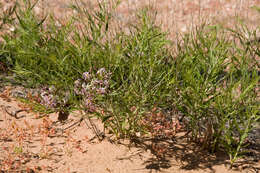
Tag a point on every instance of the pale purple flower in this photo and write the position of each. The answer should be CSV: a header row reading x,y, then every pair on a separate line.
x,y
101,90
89,105
77,83
77,86
106,83
43,94
48,100
92,86
95,82
86,76
85,87
77,91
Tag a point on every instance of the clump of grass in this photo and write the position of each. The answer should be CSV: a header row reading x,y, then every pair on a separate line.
x,y
216,83
209,79
139,75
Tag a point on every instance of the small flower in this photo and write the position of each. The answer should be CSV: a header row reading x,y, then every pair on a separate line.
x,y
77,86
88,101
89,105
77,91
43,94
49,100
77,83
85,87
101,90
106,83
96,82
86,76
66,98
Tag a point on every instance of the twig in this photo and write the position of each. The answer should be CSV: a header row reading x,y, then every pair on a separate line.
x,y
98,134
14,114
77,122
92,126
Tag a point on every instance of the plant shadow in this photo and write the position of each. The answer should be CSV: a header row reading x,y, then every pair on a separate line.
x,y
187,155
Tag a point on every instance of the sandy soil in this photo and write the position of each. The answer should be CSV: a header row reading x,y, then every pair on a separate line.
x,y
32,143
174,16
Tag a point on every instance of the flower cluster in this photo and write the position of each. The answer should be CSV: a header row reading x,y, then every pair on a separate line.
x,y
48,97
52,99
91,86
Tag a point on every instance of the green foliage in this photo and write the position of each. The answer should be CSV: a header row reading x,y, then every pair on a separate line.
x,y
211,79
216,84
140,74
